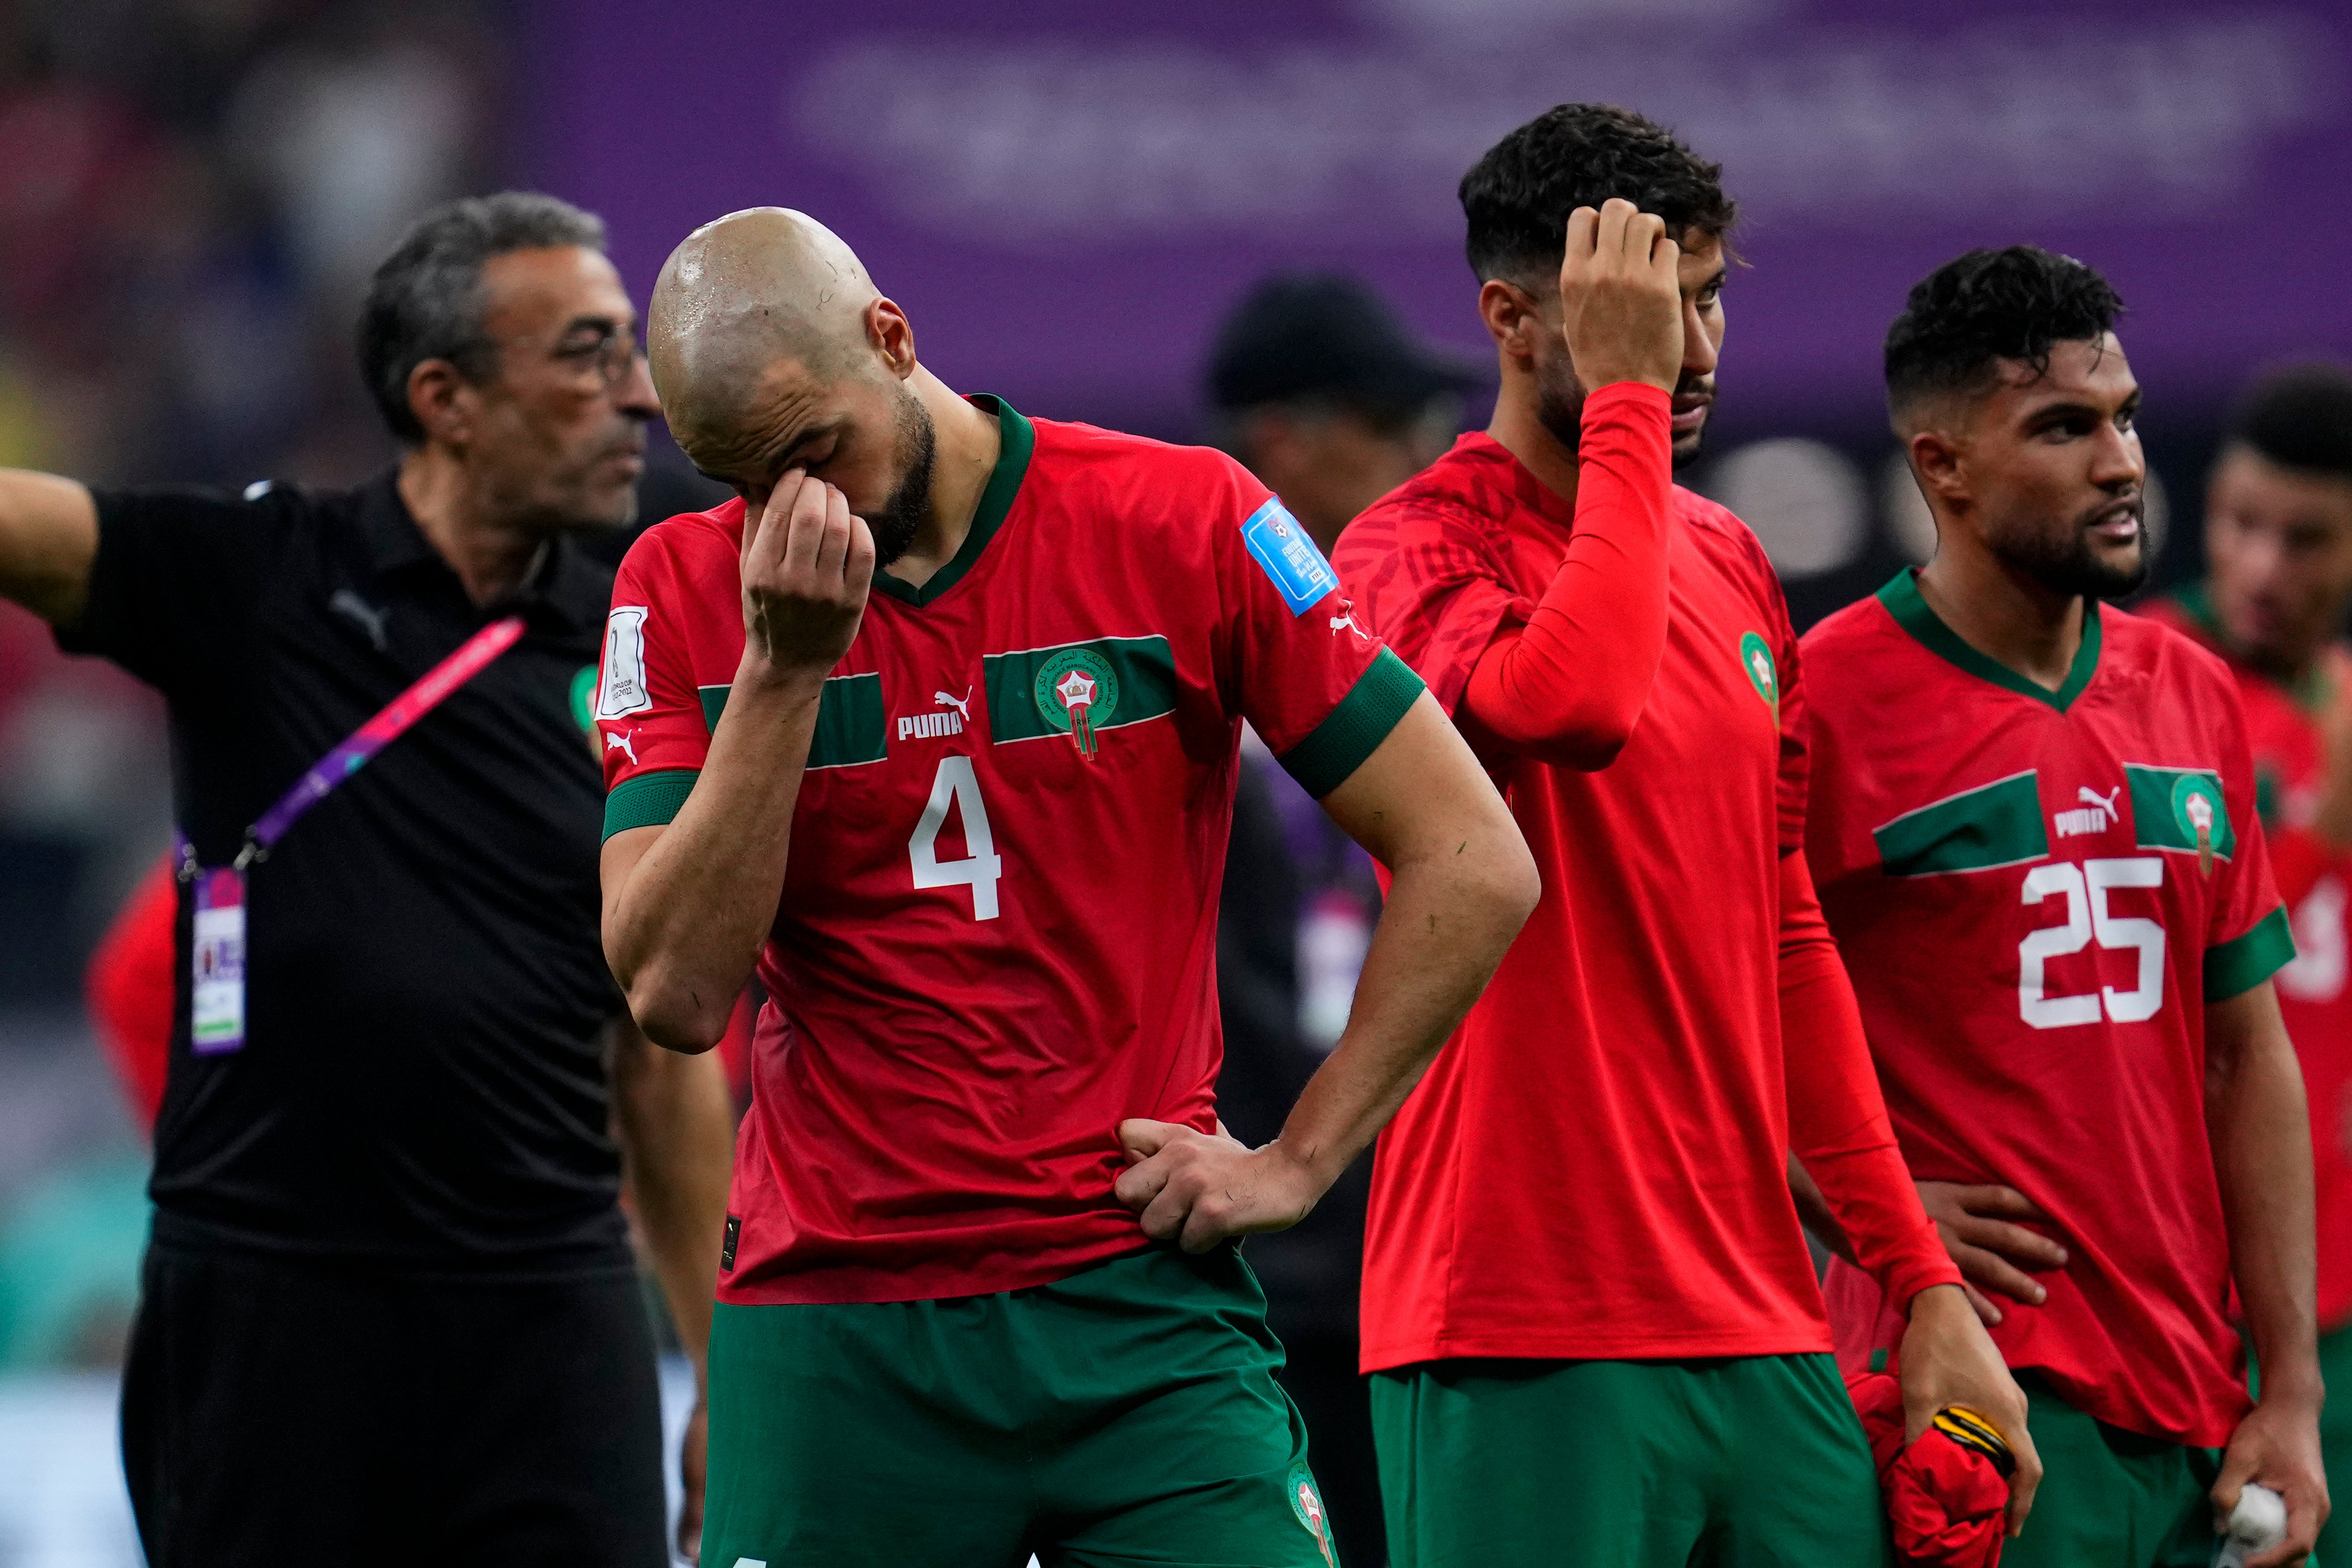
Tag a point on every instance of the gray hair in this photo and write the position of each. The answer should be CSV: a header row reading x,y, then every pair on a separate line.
x,y
425,301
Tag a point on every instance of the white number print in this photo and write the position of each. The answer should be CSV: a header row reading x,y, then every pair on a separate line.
x,y
956,784
2087,887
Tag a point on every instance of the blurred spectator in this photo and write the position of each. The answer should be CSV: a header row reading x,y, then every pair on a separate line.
x,y
1322,393
1318,389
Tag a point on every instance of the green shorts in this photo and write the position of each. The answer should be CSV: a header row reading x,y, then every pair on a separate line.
x,y
1742,1462
2111,1498
1126,1415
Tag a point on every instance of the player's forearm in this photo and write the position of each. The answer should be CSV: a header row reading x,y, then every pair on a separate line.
x,y
676,1131
684,930
2258,1122
1838,1125
1450,916
48,542
1570,688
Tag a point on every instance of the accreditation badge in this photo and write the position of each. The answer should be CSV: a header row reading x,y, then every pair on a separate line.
x,y
216,954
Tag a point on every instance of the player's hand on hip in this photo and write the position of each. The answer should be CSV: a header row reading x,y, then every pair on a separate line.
x,y
1197,1188
2277,1445
1620,296
1948,1359
1980,1230
807,564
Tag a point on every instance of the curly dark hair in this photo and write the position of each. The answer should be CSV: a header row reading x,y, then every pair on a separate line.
x,y
1518,197
1970,314
2300,416
425,301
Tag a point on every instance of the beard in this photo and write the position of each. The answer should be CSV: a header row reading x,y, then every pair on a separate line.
x,y
901,516
1559,405
2066,565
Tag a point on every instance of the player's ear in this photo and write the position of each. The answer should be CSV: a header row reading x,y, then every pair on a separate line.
x,y
1936,460
891,335
1511,318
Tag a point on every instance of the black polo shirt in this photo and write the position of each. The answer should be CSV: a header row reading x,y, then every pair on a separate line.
x,y
422,1084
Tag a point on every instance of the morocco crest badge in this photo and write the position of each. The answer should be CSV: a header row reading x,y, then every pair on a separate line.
x,y
1077,691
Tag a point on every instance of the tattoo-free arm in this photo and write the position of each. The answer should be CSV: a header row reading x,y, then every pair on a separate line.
x,y
2259,1123
1462,885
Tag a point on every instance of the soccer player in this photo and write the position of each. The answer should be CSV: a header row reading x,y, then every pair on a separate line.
x,y
2033,823
937,722
1628,1364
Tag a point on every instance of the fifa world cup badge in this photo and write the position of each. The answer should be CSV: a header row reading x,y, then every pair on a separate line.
x,y
1077,691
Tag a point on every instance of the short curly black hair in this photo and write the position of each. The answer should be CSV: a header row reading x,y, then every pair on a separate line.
x,y
1970,314
1518,197
2300,416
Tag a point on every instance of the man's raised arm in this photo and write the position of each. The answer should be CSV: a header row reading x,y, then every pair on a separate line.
x,y
48,542
686,905
1464,885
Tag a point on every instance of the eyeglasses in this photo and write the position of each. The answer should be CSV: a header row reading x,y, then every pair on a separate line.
x,y
609,356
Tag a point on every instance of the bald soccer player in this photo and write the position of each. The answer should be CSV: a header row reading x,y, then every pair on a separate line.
x,y
935,727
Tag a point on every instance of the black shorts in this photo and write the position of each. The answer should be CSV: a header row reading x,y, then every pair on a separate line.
x,y
285,1413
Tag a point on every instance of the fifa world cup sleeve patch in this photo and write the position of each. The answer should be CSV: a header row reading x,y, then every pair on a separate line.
x,y
623,690
1288,556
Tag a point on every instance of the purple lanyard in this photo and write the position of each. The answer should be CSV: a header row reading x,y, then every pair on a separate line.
x,y
430,690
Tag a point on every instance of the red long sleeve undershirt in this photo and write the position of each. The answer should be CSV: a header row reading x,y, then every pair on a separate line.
x,y
1837,1118
1567,687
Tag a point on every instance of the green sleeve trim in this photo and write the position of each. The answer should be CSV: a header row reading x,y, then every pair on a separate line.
x,y
1353,730
2242,963
648,801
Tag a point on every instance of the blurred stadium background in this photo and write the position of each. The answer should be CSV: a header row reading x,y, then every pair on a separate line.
x,y
1066,201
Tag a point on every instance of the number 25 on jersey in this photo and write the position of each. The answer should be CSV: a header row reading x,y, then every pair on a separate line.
x,y
2086,889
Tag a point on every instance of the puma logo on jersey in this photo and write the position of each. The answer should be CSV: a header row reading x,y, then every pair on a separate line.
x,y
626,744
1346,619
930,725
2098,813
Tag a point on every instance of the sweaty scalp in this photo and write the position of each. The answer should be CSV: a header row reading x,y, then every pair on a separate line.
x,y
742,293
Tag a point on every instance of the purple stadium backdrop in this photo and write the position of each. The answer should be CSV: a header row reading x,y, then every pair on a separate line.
x,y
1065,195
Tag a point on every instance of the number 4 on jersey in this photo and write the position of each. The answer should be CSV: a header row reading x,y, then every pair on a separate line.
x,y
956,784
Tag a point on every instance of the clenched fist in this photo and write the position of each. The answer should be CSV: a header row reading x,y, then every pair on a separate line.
x,y
1620,298
807,563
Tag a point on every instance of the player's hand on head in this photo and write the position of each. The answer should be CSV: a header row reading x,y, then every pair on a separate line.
x,y
1948,1359
1198,1188
1620,296
807,563
1979,1227
2277,1445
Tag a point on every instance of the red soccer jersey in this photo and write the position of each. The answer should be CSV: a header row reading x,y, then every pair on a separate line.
x,y
2283,734
2036,894
995,937
1596,1165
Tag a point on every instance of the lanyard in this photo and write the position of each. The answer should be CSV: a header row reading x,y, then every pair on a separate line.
x,y
397,717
